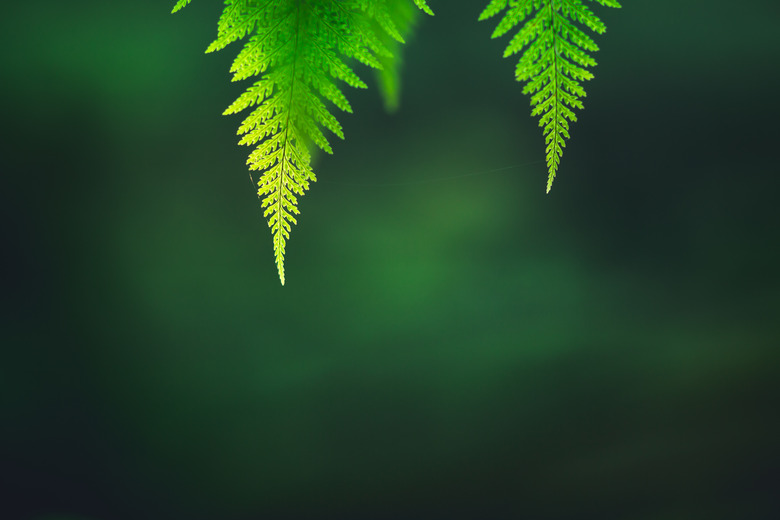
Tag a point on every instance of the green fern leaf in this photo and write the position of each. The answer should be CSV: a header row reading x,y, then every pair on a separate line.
x,y
299,49
553,63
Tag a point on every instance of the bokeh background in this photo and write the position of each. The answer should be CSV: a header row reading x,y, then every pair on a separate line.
x,y
451,341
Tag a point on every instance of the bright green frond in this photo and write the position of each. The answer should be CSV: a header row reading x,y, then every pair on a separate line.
x,y
554,58
297,50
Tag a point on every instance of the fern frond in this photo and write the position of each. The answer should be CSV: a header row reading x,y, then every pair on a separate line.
x,y
299,49
553,63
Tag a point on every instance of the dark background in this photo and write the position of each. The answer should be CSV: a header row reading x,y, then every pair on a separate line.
x,y
460,348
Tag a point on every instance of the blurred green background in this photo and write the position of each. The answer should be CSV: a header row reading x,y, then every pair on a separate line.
x,y
461,348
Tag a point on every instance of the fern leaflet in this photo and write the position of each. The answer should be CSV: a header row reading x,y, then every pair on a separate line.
x,y
180,5
553,62
299,49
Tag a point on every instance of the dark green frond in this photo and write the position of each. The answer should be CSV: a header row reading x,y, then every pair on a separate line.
x,y
404,17
554,58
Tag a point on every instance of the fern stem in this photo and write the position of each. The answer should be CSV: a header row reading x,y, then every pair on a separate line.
x,y
551,165
283,170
